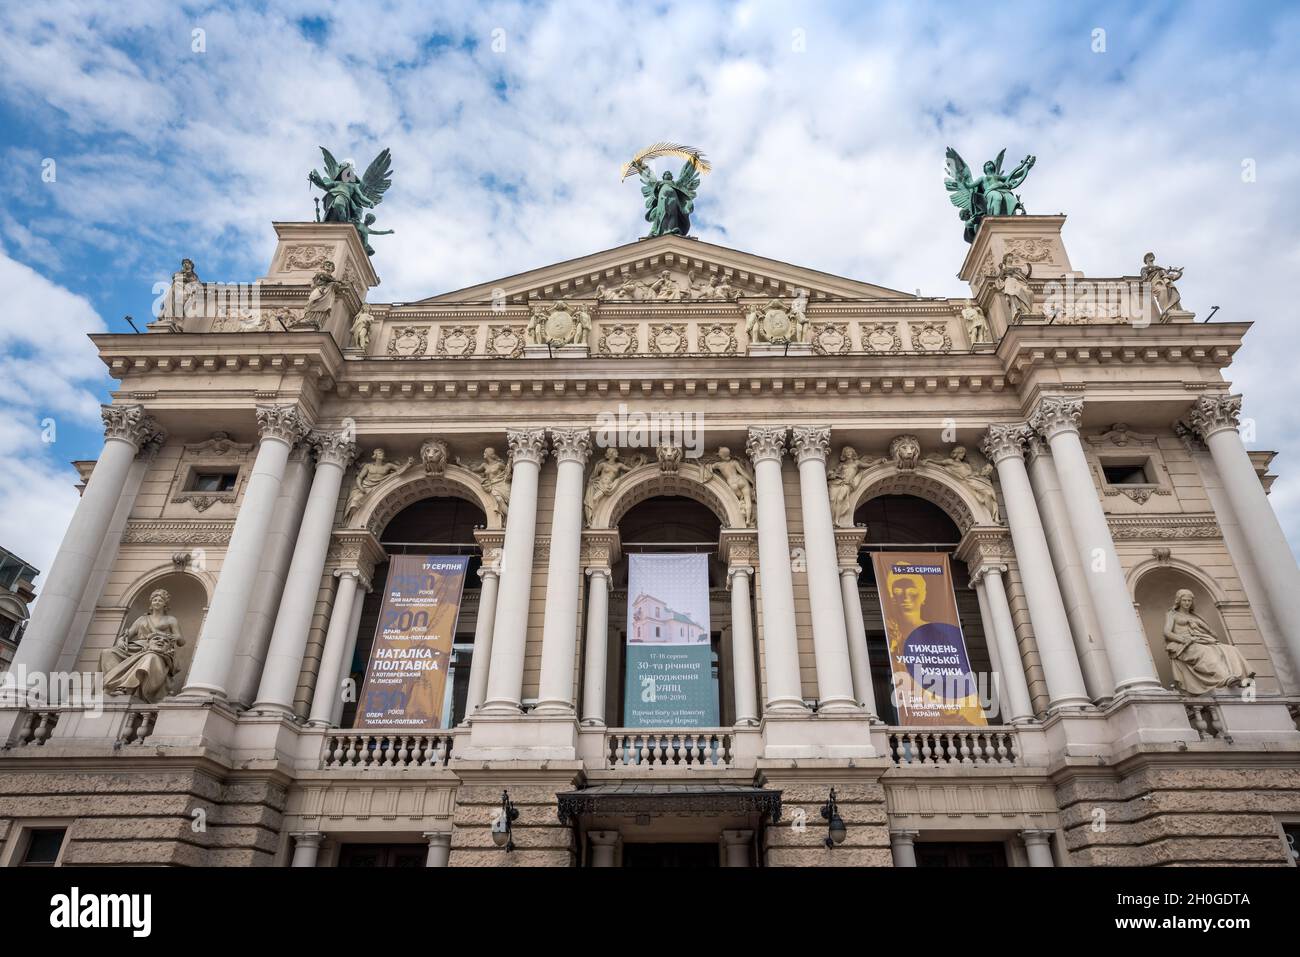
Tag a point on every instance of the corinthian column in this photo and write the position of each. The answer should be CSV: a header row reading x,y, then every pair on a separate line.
x,y
510,631
1004,445
281,427
1215,419
766,446
334,453
563,573
1057,420
811,445
126,430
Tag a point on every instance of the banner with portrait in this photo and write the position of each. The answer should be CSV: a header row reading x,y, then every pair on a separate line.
x,y
669,664
406,678
932,678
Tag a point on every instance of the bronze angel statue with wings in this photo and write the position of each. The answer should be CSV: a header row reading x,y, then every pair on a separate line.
x,y
348,196
669,201
989,195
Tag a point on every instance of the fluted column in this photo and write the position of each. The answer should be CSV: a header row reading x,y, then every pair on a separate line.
x,y
903,845
743,675
1215,420
481,661
126,430
281,427
269,586
335,451
766,446
571,447
811,445
327,689
1038,845
1088,642
439,848
1004,445
597,652
855,627
1001,629
1057,420
510,631
306,846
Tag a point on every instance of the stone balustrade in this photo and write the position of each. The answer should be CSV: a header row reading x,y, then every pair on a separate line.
x,y
936,747
705,747
385,750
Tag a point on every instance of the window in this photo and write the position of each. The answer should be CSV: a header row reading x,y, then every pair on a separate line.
x,y
42,848
1128,471
213,482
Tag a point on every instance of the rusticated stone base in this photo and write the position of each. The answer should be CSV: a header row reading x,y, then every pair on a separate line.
x,y
1164,810
177,817
540,839
798,840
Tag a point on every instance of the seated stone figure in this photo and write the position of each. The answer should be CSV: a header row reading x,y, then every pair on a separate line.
x,y
1201,662
143,660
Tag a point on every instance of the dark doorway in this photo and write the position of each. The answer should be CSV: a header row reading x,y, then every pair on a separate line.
x,y
961,854
383,855
670,855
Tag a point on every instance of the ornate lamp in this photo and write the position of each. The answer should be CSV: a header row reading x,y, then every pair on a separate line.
x,y
836,830
501,831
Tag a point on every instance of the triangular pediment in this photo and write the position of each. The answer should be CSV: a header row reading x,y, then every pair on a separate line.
x,y
629,272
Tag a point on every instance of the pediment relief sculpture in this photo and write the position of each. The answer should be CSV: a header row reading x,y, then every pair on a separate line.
x,y
1201,661
1121,435
370,476
559,324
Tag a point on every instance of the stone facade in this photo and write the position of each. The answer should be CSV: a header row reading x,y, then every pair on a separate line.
x,y
1100,473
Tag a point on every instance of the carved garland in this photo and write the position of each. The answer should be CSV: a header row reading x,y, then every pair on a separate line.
x,y
881,337
831,338
409,341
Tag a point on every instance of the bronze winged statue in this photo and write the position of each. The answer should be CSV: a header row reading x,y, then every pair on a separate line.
x,y
989,195
347,196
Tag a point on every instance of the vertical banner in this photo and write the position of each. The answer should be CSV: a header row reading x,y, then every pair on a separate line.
x,y
933,683
669,673
407,674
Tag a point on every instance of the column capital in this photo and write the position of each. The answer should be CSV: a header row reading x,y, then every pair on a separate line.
x,y
307,838
571,445
283,422
1214,413
766,442
734,836
593,570
734,570
1056,414
1037,835
333,448
363,582
526,445
1005,441
978,573
903,835
132,424
811,442
438,838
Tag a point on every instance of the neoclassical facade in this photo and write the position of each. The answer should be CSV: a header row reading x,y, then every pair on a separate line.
x,y
1067,444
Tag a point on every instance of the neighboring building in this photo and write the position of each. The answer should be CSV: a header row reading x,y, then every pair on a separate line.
x,y
653,622
16,595
1071,448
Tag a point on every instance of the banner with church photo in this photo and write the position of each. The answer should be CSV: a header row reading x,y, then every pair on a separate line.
x,y
406,678
932,678
669,664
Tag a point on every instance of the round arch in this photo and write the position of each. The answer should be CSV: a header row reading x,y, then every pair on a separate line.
x,y
189,596
1153,584
929,482
410,487
648,481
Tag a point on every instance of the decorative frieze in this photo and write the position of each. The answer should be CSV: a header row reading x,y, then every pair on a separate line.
x,y
1140,527
146,532
718,339
881,337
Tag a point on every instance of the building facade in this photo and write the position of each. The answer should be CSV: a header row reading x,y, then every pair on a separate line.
x,y
1065,447
17,592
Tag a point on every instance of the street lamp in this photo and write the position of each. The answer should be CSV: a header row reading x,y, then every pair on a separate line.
x,y
501,833
836,831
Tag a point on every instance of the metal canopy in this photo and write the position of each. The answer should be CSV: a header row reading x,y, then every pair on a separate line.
x,y
645,798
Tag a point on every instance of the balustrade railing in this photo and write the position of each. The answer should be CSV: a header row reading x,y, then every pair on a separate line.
x,y
36,728
705,747
1206,720
949,746
380,750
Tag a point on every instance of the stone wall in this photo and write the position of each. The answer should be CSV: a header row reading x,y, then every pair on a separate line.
x,y
539,837
861,802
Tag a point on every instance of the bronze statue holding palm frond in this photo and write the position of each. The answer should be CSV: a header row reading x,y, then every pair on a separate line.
x,y
669,202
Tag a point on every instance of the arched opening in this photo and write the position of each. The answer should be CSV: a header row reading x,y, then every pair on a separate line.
x,y
431,526
187,603
662,525
909,523
1155,596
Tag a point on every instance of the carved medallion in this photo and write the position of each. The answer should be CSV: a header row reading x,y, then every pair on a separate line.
x,y
409,341
668,338
1032,250
830,338
619,339
881,337
933,337
304,257
507,341
457,341
718,339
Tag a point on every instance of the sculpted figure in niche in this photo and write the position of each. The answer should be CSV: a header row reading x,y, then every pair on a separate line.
x,y
1201,662
494,475
844,481
604,476
738,478
143,659
370,475
978,481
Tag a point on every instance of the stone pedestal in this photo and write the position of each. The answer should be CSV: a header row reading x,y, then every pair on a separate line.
x,y
302,249
544,351
779,349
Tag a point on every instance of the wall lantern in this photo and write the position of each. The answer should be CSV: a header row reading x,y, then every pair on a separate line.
x,y
501,832
836,831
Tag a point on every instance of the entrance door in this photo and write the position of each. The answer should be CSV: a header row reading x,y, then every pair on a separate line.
x,y
382,855
961,854
670,855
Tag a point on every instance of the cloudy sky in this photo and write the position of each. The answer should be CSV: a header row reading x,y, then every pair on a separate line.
x,y
130,140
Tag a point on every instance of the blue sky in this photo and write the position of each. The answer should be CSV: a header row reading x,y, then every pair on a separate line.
x,y
826,124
